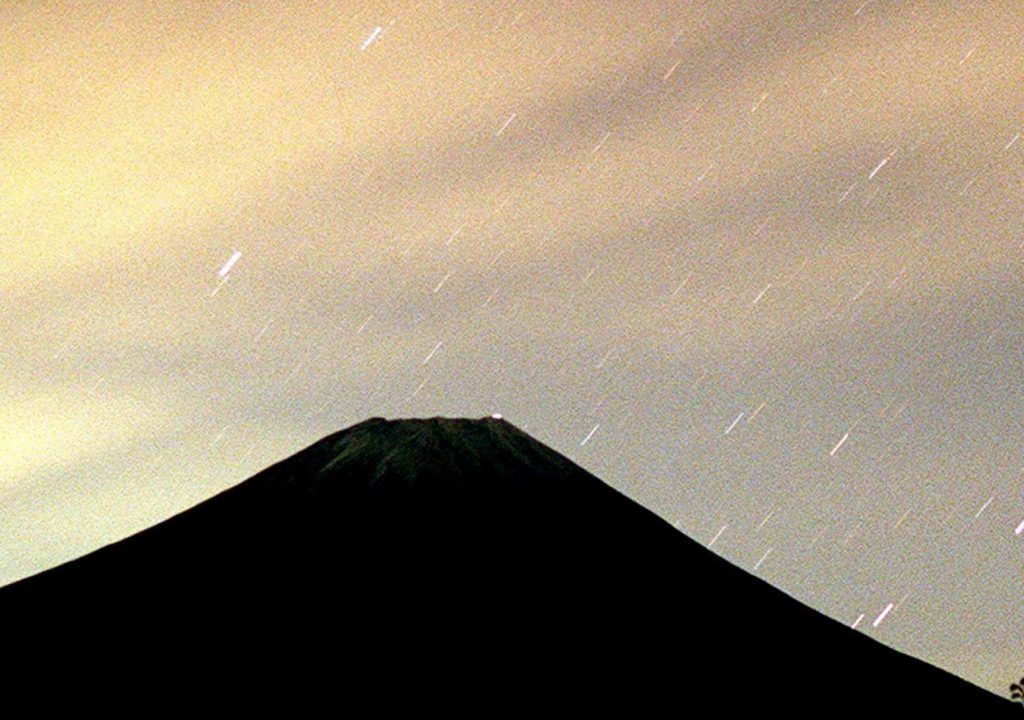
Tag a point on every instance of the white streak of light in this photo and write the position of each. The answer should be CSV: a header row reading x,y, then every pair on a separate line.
x,y
442,282
762,293
230,263
848,191
857,622
671,70
1020,528
590,434
969,53
373,36
717,536
219,286
881,617
839,444
763,557
417,390
879,167
682,284
1014,139
507,123
436,348
861,291
756,411
886,159
454,235
263,331
984,506
734,423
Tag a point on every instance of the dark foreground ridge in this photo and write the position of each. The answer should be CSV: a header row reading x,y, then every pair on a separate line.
x,y
444,563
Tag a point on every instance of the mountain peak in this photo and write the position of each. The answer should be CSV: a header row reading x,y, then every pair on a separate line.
x,y
453,456
461,557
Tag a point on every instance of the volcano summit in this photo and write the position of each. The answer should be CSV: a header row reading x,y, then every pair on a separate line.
x,y
446,563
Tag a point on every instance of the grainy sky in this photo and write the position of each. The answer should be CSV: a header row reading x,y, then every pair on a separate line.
x,y
756,264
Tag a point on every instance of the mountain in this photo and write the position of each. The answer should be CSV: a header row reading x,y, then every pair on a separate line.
x,y
443,564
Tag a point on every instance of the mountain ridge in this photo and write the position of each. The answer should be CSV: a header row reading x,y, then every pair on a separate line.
x,y
396,538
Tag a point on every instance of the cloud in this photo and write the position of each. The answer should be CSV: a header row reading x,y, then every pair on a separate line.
x,y
62,428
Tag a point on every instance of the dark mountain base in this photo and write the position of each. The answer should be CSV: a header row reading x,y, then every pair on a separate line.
x,y
451,565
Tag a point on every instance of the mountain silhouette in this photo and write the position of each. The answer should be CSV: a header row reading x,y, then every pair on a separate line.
x,y
450,564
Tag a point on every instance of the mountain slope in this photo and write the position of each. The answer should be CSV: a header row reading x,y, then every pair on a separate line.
x,y
448,561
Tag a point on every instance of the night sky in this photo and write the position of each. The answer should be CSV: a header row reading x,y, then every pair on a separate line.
x,y
756,264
